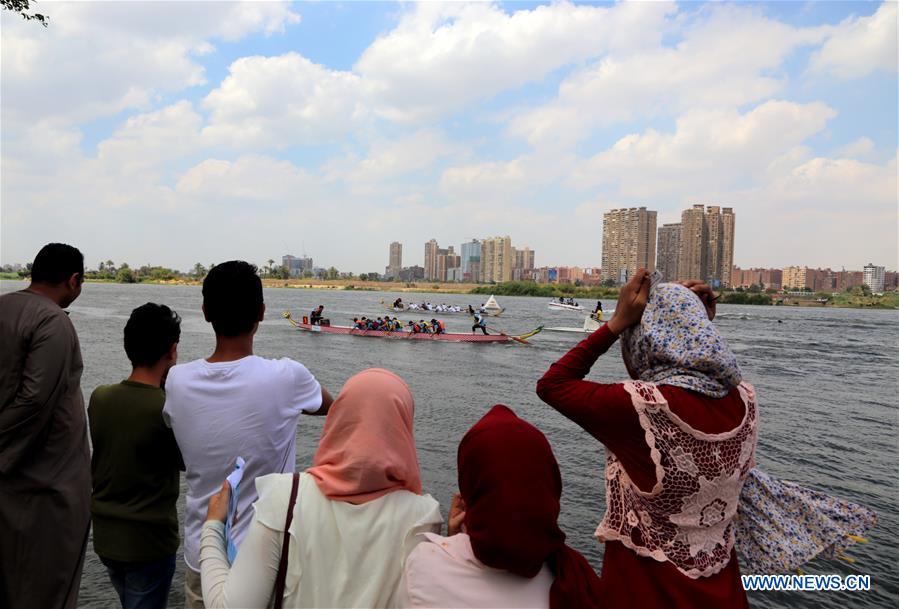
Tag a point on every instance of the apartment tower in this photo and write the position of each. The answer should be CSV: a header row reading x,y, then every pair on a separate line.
x,y
395,262
496,259
669,242
693,252
628,242
728,224
431,249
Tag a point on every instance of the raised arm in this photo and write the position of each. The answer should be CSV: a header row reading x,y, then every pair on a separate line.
x,y
600,408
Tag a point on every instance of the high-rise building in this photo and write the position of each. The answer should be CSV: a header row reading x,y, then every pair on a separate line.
x,y
874,276
707,244
395,262
524,259
669,242
628,242
715,231
446,259
728,225
471,252
431,249
496,259
296,266
692,255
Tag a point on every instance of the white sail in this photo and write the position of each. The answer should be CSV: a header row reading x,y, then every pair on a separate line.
x,y
491,304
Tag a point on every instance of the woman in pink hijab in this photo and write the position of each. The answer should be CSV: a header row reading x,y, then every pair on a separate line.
x,y
356,513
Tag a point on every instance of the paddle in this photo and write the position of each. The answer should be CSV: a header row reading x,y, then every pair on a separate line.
x,y
515,338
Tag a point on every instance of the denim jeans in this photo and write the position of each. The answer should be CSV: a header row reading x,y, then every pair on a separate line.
x,y
142,585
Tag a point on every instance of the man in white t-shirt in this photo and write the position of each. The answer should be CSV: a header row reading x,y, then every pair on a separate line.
x,y
234,404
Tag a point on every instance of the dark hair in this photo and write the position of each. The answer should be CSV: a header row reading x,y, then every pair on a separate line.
x,y
150,332
232,295
56,262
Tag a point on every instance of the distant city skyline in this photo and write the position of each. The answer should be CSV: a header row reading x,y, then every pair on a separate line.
x,y
248,131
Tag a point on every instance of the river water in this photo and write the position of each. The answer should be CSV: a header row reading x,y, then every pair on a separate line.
x,y
826,379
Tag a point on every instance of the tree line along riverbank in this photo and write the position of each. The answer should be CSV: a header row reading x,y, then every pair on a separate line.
x,y
854,299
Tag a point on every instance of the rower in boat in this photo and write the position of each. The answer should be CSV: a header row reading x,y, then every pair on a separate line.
x,y
479,323
398,303
438,326
315,318
597,312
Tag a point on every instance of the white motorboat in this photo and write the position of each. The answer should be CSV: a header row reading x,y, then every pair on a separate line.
x,y
561,306
590,326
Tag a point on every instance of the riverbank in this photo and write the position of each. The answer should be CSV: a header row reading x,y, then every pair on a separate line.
x,y
888,301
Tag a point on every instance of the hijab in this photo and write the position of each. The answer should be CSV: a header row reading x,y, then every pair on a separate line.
x,y
511,485
367,448
676,344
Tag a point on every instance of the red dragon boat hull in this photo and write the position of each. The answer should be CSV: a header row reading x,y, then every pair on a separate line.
x,y
401,335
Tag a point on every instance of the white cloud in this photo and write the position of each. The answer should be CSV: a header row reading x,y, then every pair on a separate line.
x,y
282,100
99,58
444,56
861,45
822,212
147,141
387,160
860,148
708,149
729,56
252,179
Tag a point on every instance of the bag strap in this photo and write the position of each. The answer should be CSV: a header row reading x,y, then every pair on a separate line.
x,y
285,545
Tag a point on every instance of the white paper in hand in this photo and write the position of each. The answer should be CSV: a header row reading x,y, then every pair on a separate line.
x,y
234,482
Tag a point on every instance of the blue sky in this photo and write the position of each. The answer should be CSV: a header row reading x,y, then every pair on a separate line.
x,y
254,130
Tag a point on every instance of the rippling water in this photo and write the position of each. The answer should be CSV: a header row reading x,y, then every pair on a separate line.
x,y
826,378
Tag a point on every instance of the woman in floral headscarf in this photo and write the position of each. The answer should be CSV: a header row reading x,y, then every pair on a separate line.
x,y
680,441
681,492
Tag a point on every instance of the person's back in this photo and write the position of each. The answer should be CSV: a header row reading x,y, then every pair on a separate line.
x,y
356,512
136,463
234,404
504,547
44,453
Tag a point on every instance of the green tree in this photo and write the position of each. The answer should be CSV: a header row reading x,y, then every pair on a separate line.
x,y
271,264
199,271
21,6
26,272
125,275
332,273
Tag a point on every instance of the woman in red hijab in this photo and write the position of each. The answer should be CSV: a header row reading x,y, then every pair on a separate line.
x,y
510,551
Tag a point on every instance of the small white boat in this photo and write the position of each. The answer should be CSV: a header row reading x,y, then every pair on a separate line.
x,y
590,326
561,306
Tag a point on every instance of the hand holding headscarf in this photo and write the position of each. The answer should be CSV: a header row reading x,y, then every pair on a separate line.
x,y
632,299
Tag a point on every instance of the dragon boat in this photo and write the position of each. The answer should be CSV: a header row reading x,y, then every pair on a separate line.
x,y
402,335
406,309
490,309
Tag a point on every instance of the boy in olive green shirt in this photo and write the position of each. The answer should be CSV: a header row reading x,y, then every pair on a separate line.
x,y
136,463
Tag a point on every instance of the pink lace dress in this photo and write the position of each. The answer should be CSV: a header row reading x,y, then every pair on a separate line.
x,y
687,518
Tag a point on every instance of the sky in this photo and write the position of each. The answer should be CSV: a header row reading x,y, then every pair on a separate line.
x,y
171,133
